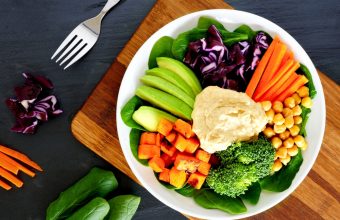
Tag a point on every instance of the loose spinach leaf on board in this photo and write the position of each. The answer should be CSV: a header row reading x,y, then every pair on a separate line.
x,y
134,143
252,195
210,200
97,208
245,29
162,48
127,111
187,191
304,115
312,90
206,22
123,207
281,180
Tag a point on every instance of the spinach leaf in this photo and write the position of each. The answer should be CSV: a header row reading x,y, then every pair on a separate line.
x,y
252,195
210,200
245,29
304,115
123,207
162,48
206,22
230,38
97,208
127,111
134,143
281,180
187,191
312,90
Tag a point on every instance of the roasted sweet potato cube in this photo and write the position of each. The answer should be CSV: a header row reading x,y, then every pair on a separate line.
x,y
159,138
167,148
203,155
186,163
148,138
183,128
168,160
171,137
196,180
192,145
165,175
204,168
180,143
147,151
177,177
157,164
164,127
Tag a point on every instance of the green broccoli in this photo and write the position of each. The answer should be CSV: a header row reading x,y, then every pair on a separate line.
x,y
241,164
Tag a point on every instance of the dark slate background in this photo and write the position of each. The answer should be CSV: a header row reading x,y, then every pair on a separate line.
x,y
31,30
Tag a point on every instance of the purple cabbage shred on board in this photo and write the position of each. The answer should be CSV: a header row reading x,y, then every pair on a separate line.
x,y
229,68
33,104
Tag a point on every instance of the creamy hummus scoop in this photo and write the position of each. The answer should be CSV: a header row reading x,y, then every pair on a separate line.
x,y
222,117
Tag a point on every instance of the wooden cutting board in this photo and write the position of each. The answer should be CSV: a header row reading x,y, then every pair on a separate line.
x,y
95,124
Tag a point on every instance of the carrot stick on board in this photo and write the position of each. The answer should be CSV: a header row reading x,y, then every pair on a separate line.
x,y
293,88
18,165
255,79
10,177
19,156
5,185
8,166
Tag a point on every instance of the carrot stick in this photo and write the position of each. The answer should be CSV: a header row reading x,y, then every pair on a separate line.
x,y
288,55
22,157
302,80
5,185
4,163
10,177
278,88
284,72
255,79
18,165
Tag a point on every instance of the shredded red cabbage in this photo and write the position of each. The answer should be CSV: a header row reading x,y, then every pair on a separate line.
x,y
32,104
230,68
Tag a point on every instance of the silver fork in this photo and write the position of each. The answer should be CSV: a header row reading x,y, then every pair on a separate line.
x,y
82,38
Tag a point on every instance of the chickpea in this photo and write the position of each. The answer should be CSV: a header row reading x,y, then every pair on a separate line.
x,y
289,122
277,165
299,141
284,135
270,115
297,110
296,98
297,120
304,147
303,91
277,106
294,130
278,119
278,129
289,102
288,143
293,151
306,102
285,160
276,142
281,152
268,132
266,105
286,112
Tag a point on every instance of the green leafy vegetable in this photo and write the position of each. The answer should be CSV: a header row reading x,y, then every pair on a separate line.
x,y
134,143
127,111
206,22
96,209
97,183
187,191
245,29
210,200
162,48
123,207
305,116
312,90
281,180
230,38
252,195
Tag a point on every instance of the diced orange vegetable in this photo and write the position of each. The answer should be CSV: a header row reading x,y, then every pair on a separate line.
x,y
187,163
5,185
7,165
203,155
167,148
168,160
10,177
302,80
255,79
204,168
164,127
16,164
148,138
196,180
146,151
177,177
183,128
192,145
157,164
180,143
171,137
159,138
165,175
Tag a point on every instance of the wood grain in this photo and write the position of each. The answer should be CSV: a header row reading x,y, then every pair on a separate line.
x,y
95,126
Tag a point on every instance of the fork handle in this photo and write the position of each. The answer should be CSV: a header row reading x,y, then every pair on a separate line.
x,y
109,4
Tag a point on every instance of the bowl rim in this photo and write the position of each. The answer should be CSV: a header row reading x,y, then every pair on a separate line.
x,y
131,160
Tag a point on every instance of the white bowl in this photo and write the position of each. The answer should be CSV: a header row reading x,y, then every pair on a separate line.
x,y
230,19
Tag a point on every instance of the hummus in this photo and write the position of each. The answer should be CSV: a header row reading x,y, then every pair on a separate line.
x,y
222,117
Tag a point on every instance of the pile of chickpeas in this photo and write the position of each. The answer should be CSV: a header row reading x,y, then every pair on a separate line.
x,y
283,126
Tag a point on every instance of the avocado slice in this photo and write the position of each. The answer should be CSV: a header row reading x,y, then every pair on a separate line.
x,y
166,86
149,117
165,101
182,71
173,78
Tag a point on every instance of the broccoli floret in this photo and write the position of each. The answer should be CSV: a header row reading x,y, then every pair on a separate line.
x,y
241,165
